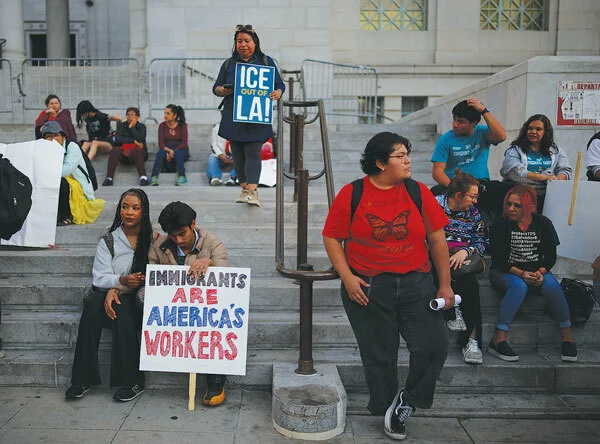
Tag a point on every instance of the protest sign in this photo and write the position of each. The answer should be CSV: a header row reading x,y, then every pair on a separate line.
x,y
195,325
41,161
251,102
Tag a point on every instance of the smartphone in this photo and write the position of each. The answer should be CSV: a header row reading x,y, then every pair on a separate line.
x,y
228,86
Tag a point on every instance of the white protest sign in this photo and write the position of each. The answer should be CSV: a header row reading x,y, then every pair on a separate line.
x,y
41,161
195,325
581,240
251,102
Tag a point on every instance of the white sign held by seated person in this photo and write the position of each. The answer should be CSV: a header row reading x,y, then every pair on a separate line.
x,y
581,240
41,161
195,325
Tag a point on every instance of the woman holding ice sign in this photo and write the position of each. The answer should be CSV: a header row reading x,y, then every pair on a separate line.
x,y
246,139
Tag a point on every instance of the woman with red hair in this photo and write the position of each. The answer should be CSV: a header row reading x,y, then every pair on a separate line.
x,y
523,245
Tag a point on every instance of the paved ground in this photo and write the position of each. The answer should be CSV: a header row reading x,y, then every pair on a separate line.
x,y
34,415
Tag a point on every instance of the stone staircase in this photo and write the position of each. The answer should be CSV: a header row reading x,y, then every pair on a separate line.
x,y
41,289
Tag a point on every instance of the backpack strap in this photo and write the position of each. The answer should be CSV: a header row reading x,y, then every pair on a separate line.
x,y
85,173
412,186
414,191
110,243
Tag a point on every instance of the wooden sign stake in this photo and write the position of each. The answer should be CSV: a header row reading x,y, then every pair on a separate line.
x,y
574,193
192,392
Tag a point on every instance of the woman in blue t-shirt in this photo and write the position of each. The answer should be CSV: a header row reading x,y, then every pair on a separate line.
x,y
534,159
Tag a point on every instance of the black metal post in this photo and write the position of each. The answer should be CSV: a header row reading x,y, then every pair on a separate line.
x,y
298,150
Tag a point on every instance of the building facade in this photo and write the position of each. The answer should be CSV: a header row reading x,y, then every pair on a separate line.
x,y
422,49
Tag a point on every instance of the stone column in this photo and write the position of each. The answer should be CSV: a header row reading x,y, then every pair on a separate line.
x,y
12,29
58,41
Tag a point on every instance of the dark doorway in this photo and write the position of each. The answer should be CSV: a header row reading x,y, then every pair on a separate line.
x,y
40,51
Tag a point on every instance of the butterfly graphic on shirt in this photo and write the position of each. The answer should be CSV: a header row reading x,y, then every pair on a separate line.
x,y
382,228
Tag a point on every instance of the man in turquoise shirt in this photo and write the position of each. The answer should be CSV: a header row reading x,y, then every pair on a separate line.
x,y
466,147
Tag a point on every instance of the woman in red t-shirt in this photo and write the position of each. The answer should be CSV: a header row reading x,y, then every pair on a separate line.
x,y
381,257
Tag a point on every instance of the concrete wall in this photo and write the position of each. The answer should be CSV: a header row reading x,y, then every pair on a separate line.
x,y
449,55
102,29
515,94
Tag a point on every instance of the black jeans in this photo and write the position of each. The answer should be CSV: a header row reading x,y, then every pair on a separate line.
x,y
125,355
64,208
399,304
467,286
246,161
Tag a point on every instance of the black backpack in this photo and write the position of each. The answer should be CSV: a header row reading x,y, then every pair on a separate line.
x,y
15,198
580,297
90,174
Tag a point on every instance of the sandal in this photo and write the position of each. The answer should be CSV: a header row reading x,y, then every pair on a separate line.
x,y
64,222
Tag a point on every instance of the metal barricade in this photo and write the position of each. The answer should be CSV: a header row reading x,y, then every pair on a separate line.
x,y
186,82
107,83
349,91
6,92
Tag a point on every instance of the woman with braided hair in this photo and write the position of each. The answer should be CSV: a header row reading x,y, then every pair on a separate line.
x,y
118,272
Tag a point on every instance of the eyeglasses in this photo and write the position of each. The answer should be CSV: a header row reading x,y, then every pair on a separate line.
x,y
404,157
516,205
51,136
248,28
472,196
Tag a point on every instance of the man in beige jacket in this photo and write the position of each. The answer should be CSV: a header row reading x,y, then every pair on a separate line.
x,y
187,244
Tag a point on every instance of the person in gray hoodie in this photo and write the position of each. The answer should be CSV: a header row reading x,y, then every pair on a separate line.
x,y
534,159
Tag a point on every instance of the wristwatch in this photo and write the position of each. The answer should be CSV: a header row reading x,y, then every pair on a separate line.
x,y
485,110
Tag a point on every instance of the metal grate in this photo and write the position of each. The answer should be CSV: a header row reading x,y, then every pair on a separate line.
x,y
515,15
393,15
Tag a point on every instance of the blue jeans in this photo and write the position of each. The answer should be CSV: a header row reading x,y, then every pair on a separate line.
x,y
398,305
181,155
214,167
515,289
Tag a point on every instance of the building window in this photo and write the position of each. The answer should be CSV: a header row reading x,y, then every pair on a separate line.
x,y
393,15
514,15
411,104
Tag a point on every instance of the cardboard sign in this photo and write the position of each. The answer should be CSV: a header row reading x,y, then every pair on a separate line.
x,y
195,325
253,84
581,240
41,161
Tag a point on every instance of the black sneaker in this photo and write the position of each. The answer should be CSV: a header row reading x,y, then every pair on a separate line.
x,y
503,351
215,390
144,182
396,415
77,391
107,182
568,352
125,393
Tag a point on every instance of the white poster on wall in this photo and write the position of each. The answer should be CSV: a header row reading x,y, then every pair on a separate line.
x,y
195,325
581,240
41,161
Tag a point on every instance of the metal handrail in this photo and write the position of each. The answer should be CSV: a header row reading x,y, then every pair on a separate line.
x,y
279,216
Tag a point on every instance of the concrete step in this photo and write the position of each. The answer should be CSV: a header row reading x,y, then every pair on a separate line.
x,y
79,260
48,292
278,327
538,372
498,406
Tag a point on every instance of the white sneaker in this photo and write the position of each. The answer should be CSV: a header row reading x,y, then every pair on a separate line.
x,y
457,324
471,352
229,182
215,182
